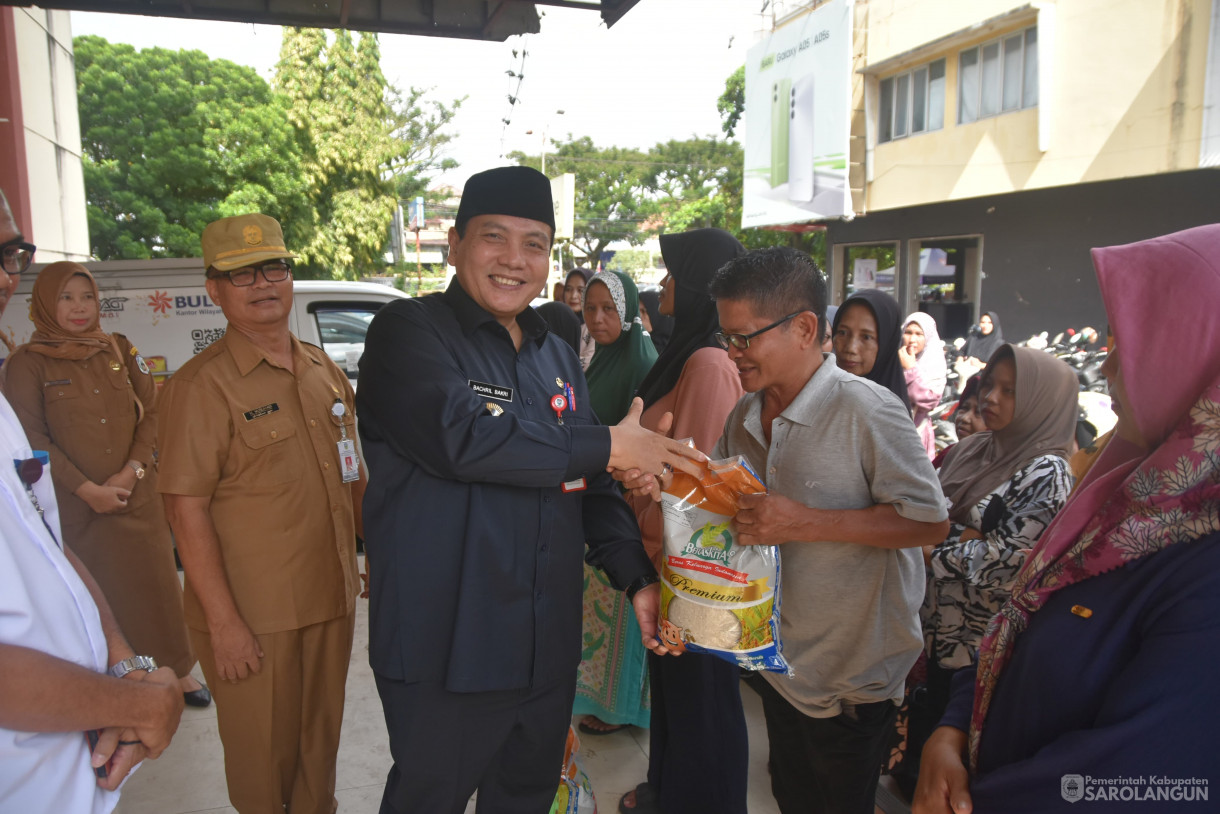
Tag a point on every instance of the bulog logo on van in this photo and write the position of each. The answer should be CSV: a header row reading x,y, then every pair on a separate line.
x,y
160,302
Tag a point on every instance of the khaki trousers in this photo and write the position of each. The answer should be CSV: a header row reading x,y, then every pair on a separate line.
x,y
280,728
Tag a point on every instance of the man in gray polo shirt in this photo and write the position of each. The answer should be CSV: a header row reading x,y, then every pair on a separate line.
x,y
851,496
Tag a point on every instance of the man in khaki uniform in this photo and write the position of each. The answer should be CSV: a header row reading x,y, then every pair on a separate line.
x,y
254,436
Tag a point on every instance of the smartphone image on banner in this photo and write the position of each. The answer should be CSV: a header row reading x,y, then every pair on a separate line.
x,y
801,180
780,91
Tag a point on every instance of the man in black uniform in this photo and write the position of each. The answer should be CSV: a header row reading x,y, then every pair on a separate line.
x,y
487,477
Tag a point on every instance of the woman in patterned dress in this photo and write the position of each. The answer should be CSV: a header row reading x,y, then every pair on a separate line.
x,y
612,684
1103,665
1005,486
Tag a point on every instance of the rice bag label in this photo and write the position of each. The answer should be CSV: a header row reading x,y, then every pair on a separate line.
x,y
718,597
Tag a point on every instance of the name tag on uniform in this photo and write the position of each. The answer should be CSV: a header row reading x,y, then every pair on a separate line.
x,y
349,461
259,412
494,391
577,485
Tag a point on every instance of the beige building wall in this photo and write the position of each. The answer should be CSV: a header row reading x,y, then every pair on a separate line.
x,y
52,134
1121,94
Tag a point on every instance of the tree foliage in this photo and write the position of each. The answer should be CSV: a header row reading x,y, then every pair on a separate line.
x,y
173,140
338,102
732,103
419,126
613,196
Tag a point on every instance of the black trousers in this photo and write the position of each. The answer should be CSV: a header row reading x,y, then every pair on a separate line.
x,y
508,745
928,702
698,752
826,765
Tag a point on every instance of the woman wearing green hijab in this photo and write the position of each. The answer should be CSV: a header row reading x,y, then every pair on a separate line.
x,y
624,352
612,686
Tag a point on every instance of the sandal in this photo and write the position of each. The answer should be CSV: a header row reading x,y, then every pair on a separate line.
x,y
604,729
644,801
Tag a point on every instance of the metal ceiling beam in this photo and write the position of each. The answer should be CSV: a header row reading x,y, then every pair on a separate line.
x,y
473,20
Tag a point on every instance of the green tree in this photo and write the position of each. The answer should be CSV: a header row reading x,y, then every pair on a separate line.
x,y
732,103
419,126
613,197
339,104
173,140
694,180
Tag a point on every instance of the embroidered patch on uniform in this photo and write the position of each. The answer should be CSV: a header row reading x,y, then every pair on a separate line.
x,y
494,409
57,382
577,485
495,391
259,412
134,352
140,363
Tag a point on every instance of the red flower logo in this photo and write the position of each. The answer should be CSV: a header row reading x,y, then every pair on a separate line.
x,y
160,302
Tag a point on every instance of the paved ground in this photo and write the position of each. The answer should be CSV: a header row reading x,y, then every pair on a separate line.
x,y
189,777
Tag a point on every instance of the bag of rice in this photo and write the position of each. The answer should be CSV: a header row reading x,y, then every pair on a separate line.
x,y
718,597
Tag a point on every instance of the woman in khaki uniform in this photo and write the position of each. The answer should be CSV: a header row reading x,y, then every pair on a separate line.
x,y
87,398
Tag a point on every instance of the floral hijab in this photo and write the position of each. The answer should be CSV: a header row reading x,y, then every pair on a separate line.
x,y
1133,502
618,368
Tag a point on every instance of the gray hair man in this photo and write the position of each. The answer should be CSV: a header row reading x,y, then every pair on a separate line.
x,y
851,497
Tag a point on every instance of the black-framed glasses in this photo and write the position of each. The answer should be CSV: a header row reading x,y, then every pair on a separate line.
x,y
16,256
742,341
274,272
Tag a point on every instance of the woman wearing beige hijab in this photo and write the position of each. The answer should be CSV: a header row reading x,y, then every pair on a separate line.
x,y
1005,486
87,398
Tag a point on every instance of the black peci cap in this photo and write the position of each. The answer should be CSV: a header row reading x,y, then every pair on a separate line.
x,y
520,192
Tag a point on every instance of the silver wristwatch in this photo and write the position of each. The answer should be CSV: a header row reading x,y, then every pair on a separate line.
x,y
125,666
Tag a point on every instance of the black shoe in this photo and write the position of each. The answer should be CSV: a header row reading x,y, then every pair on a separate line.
x,y
197,698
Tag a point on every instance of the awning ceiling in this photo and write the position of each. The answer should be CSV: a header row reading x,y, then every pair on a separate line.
x,y
495,20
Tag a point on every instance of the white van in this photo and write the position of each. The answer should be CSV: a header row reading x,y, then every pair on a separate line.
x,y
163,307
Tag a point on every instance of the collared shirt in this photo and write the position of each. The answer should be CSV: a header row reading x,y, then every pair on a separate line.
x,y
850,613
261,441
83,413
44,606
480,501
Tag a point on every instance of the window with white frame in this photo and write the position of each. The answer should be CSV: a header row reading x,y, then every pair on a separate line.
x,y
998,76
913,102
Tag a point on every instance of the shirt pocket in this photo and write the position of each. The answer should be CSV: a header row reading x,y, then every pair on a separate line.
x,y
64,406
273,452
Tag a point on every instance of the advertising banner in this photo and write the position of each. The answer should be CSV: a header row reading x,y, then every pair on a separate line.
x,y
798,119
563,198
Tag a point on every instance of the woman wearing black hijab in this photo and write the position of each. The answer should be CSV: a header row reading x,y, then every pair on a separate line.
x,y
660,326
698,750
867,332
983,341
562,322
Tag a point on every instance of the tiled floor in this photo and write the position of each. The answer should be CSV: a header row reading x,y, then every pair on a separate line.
x,y
189,776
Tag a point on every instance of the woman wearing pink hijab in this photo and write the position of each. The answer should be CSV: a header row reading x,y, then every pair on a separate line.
x,y
1104,664
922,356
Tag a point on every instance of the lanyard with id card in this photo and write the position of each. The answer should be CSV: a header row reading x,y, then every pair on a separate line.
x,y
349,461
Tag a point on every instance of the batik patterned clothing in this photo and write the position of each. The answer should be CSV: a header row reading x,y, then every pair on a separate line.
x,y
613,679
970,579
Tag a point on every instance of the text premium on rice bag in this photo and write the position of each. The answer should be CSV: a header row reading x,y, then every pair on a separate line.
x,y
718,597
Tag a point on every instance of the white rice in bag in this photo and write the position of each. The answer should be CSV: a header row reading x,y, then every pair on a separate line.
x,y
718,597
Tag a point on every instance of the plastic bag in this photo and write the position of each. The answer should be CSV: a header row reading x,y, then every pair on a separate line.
x,y
718,597
575,795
